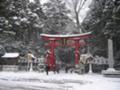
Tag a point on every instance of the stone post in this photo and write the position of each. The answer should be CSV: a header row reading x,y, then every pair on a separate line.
x,y
90,67
110,53
31,67
110,71
90,60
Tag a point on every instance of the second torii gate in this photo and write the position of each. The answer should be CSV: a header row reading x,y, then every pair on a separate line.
x,y
52,44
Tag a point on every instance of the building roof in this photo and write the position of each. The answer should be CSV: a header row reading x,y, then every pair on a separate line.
x,y
87,55
10,55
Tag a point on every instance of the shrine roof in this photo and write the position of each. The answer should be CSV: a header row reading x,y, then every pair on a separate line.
x,y
65,36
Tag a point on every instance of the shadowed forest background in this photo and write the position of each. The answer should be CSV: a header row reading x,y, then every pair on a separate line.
x,y
22,22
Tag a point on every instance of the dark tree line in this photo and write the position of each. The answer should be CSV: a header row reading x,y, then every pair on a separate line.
x,y
21,23
104,21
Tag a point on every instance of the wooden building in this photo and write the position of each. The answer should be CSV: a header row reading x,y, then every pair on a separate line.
x,y
9,59
9,62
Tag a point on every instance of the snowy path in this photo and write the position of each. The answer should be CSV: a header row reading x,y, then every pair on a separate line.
x,y
62,81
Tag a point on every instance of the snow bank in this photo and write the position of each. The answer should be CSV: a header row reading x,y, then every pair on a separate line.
x,y
62,81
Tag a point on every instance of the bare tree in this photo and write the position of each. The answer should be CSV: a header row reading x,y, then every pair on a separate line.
x,y
75,8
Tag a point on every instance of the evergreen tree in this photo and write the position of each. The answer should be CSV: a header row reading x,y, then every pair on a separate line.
x,y
103,20
21,21
57,18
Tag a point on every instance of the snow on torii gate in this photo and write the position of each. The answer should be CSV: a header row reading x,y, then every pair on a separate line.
x,y
53,44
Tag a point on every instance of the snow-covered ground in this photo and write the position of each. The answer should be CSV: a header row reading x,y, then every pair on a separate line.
x,y
61,81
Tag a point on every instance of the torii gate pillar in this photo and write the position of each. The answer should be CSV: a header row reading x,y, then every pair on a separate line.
x,y
52,59
77,52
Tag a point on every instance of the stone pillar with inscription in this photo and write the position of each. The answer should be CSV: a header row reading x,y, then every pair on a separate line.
x,y
111,71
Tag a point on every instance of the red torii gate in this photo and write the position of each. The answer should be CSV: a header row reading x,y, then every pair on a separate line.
x,y
53,44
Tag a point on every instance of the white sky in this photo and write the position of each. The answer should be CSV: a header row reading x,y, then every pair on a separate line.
x,y
42,1
83,12
31,0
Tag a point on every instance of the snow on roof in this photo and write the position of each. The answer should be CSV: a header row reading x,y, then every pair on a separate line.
x,y
10,55
86,55
68,35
